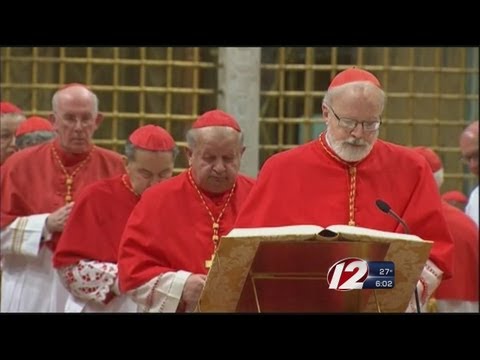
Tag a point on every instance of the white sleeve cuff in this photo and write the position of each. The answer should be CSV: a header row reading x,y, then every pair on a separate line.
x,y
89,280
430,278
23,236
162,293
428,282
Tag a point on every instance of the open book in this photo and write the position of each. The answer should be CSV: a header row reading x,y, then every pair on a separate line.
x,y
303,232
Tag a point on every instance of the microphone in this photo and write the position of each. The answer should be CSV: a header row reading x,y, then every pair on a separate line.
x,y
384,207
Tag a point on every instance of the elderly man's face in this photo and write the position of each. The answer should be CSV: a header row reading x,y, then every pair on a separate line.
x,y
215,158
76,120
148,168
9,124
469,150
352,120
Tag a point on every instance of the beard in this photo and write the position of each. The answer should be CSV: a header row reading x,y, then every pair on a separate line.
x,y
351,150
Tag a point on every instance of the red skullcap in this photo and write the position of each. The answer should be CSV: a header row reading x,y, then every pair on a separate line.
x,y
431,157
353,74
32,124
9,108
216,118
455,196
151,137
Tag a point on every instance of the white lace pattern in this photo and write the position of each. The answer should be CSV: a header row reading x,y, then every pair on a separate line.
x,y
90,280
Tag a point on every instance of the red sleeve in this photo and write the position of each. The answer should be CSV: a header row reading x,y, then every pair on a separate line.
x,y
464,285
424,215
12,201
140,257
257,210
87,233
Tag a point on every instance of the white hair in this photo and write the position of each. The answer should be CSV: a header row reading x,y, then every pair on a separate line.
x,y
192,134
364,85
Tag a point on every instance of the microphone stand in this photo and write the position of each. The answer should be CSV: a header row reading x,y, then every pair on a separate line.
x,y
384,207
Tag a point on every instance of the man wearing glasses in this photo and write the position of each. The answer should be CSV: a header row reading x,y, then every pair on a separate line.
x,y
337,178
469,149
38,186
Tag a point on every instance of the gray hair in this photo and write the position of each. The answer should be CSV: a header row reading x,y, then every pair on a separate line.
x,y
33,138
192,135
130,150
364,85
58,94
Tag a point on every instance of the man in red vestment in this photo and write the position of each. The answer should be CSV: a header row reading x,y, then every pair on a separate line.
x,y
38,187
337,178
10,118
33,131
172,233
460,292
86,255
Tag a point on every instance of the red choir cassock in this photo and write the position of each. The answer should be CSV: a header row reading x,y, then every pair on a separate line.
x,y
170,229
310,185
42,178
97,220
96,223
464,284
87,252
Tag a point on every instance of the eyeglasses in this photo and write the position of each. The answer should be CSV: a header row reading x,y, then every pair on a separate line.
x,y
468,158
349,124
72,120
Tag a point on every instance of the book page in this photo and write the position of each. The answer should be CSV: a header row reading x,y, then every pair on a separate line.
x,y
356,231
300,232
275,231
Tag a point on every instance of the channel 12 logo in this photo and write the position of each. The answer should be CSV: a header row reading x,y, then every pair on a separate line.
x,y
354,273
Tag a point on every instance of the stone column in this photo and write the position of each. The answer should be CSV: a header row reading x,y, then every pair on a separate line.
x,y
239,95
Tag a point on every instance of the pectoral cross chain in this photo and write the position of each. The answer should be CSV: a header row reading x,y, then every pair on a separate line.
x,y
68,183
215,222
215,227
69,177
208,263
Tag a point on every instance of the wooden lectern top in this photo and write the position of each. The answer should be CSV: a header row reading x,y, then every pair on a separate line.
x,y
284,269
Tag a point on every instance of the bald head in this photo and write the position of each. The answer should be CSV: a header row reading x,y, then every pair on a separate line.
x,y
471,131
75,117
469,146
75,93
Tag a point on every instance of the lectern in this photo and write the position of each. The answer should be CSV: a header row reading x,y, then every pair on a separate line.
x,y
284,269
